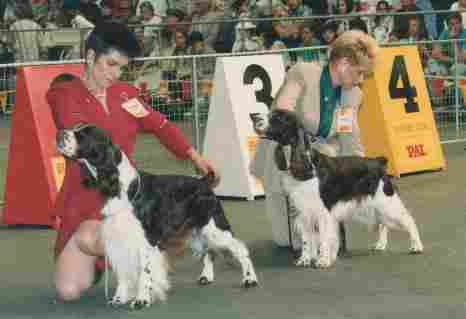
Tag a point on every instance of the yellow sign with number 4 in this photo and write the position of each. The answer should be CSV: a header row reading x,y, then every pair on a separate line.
x,y
396,116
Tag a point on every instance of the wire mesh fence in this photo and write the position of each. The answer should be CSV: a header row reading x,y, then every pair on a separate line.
x,y
181,86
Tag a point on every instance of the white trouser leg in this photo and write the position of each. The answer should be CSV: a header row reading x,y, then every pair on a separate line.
x,y
276,209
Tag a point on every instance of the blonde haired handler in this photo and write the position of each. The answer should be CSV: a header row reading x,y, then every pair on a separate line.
x,y
320,95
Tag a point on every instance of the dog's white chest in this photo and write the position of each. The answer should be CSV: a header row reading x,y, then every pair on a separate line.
x,y
123,235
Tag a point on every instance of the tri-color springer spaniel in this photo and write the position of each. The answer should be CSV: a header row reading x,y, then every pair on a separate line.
x,y
327,190
147,217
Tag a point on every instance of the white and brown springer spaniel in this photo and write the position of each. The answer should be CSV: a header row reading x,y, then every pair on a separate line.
x,y
328,190
147,217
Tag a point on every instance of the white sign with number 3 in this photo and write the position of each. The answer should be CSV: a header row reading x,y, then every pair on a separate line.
x,y
242,85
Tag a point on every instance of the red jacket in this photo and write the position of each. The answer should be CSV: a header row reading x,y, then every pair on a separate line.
x,y
71,104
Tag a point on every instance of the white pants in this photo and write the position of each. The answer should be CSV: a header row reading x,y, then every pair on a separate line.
x,y
282,220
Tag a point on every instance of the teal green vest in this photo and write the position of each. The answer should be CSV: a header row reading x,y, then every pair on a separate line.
x,y
329,98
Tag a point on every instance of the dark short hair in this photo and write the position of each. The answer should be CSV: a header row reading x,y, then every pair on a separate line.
x,y
172,12
196,36
113,35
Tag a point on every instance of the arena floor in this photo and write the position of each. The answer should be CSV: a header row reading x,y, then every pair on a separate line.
x,y
364,285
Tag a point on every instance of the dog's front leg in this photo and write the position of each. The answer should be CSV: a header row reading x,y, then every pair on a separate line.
x,y
207,274
144,281
326,235
305,230
381,244
121,296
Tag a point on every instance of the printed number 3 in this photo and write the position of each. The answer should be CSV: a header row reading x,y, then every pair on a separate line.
x,y
407,91
263,95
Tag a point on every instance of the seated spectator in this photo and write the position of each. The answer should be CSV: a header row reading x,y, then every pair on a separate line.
x,y
77,20
174,71
383,25
246,39
160,6
177,69
166,38
460,5
401,21
151,21
415,31
343,7
204,12
25,38
205,67
328,32
280,29
54,52
309,39
443,54
226,34
296,8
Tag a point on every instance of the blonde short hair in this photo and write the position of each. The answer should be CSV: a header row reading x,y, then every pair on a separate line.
x,y
360,48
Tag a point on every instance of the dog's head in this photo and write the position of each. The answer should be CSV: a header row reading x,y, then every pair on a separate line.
x,y
285,128
278,125
93,148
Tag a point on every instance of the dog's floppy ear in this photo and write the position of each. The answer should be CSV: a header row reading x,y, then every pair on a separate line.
x,y
325,165
280,158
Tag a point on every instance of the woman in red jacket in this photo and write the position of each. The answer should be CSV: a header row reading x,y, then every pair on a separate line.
x,y
98,97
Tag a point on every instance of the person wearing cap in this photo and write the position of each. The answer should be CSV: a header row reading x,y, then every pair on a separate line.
x,y
322,96
245,36
98,97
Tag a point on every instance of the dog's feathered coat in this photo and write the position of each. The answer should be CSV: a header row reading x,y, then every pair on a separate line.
x,y
146,215
326,190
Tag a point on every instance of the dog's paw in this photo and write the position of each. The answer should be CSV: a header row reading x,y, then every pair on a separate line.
x,y
379,247
117,301
250,283
204,281
304,261
140,303
416,251
321,263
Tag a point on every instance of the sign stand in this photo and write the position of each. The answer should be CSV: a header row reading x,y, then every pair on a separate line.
x,y
396,117
35,169
243,85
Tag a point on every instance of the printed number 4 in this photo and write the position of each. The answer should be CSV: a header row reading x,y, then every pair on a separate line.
x,y
407,91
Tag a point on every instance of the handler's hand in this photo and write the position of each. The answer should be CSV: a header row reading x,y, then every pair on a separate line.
x,y
204,166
